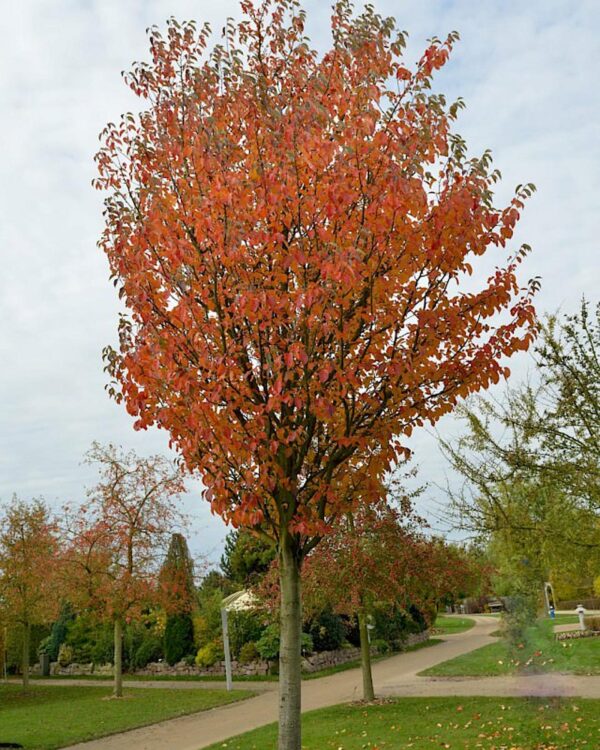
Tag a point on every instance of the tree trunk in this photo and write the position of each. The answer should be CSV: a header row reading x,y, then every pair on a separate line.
x,y
25,654
289,648
118,658
365,657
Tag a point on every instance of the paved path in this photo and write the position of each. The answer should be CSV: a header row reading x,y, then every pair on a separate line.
x,y
394,676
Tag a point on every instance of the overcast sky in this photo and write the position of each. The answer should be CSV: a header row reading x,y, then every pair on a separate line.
x,y
528,72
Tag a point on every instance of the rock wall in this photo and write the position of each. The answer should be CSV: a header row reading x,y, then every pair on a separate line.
x,y
238,669
312,663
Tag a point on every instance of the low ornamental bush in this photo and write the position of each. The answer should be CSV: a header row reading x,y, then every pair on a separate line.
x,y
91,641
380,646
208,655
268,644
248,653
327,631
65,655
244,627
592,622
149,650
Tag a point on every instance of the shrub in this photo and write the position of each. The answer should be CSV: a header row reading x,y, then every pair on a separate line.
x,y
244,627
419,621
44,646
14,646
148,651
327,631
392,624
179,637
91,641
352,630
306,643
208,655
210,609
268,644
65,655
102,650
200,629
58,634
248,653
592,622
381,646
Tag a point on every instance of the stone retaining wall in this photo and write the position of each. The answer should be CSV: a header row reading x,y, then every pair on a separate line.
x,y
237,668
312,663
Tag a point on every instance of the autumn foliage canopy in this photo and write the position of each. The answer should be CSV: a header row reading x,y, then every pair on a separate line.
x,y
289,232
118,538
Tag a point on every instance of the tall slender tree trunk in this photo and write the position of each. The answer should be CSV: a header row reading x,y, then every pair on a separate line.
x,y
365,657
25,653
289,648
118,658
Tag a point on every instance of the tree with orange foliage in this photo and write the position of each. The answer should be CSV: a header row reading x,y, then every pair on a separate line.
x,y
290,232
29,558
119,537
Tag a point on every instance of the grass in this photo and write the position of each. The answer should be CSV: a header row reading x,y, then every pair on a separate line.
x,y
355,664
162,677
457,723
449,625
540,653
46,717
566,620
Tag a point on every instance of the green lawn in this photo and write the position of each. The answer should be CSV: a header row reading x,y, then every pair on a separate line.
x,y
449,625
54,716
540,653
457,723
566,620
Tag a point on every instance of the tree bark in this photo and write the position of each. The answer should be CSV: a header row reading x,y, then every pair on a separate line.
x,y
25,653
365,657
118,658
289,648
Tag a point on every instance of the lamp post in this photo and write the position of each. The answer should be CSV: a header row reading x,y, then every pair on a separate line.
x,y
241,600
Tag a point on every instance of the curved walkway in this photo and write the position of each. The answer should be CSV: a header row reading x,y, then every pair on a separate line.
x,y
395,676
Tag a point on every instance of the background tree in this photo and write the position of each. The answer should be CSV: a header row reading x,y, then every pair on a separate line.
x,y
119,536
177,584
246,558
379,561
374,557
29,557
531,460
289,232
455,572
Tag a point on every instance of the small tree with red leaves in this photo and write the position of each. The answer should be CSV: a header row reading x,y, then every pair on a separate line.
x,y
119,538
376,556
290,232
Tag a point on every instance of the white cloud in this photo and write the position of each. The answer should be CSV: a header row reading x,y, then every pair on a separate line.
x,y
528,72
